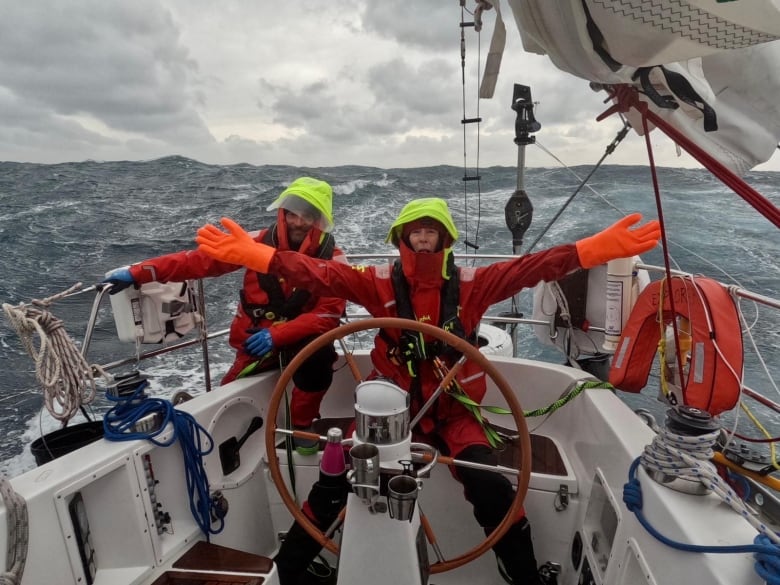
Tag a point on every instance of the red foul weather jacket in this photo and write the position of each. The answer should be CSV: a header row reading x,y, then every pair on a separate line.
x,y
319,314
372,287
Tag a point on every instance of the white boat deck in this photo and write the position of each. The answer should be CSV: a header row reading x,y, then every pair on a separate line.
x,y
596,436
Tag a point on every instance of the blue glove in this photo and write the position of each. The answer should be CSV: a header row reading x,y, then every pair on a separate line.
x,y
119,280
259,343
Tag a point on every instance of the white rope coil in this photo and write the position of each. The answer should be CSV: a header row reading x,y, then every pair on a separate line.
x,y
65,376
688,457
18,534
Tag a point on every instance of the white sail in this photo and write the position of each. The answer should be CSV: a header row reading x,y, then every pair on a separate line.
x,y
726,51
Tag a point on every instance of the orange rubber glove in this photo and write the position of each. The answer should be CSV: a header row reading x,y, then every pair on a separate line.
x,y
617,241
235,247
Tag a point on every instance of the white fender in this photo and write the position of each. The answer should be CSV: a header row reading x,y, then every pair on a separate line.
x,y
495,341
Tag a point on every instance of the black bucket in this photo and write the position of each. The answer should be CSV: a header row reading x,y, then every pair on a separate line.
x,y
63,441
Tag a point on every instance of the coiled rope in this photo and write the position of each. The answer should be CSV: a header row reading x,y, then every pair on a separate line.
x,y
65,376
688,457
120,424
18,534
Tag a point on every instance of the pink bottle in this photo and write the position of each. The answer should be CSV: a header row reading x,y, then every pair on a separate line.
x,y
333,464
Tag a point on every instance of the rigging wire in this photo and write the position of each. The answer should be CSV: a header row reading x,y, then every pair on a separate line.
x,y
576,176
609,150
465,121
621,211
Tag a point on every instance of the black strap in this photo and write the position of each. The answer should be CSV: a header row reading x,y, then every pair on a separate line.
x,y
412,343
449,319
411,346
597,41
682,90
279,307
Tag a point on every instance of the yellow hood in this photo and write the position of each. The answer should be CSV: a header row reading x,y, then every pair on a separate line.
x,y
433,207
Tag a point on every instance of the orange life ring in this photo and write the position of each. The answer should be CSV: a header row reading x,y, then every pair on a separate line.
x,y
711,383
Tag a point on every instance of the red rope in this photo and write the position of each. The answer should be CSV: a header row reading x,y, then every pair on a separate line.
x,y
627,97
667,266
753,440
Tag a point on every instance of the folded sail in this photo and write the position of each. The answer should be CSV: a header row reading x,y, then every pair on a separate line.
x,y
713,62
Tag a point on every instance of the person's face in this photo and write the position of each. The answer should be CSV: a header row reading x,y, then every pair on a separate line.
x,y
297,226
424,239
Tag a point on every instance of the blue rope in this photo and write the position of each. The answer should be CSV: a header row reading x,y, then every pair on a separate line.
x,y
743,484
118,424
190,435
767,553
767,565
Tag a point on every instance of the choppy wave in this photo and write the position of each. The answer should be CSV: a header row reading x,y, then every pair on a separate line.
x,y
64,223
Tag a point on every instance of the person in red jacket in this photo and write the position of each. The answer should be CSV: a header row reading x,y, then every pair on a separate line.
x,y
424,284
273,316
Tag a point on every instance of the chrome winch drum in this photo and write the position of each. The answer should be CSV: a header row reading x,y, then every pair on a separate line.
x,y
381,413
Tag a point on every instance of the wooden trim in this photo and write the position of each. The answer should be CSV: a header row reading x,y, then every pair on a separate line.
x,y
544,456
205,556
187,578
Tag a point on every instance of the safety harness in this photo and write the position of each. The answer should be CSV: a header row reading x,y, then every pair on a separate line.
x,y
279,307
411,348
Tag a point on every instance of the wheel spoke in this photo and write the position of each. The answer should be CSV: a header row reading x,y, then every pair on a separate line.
x,y
429,534
350,359
468,352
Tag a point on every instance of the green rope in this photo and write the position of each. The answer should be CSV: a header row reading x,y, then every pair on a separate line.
x,y
474,407
571,395
492,436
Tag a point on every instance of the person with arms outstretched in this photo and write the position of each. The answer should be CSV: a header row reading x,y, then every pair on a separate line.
x,y
426,285
274,315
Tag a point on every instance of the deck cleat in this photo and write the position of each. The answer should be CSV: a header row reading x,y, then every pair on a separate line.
x,y
548,573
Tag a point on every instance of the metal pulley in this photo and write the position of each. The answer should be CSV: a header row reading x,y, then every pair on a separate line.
x,y
518,210
518,213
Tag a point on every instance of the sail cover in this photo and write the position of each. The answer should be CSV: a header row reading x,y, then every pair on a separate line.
x,y
711,64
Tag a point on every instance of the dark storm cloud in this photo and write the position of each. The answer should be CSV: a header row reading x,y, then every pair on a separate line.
x,y
398,98
118,64
425,24
308,82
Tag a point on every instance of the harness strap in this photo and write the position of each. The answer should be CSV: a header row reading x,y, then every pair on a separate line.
x,y
279,307
411,347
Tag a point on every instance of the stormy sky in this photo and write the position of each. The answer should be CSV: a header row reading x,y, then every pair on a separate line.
x,y
307,82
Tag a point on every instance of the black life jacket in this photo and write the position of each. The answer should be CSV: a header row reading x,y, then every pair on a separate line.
x,y
279,307
412,346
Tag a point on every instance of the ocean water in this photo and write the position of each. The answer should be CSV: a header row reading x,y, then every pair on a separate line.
x,y
68,223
